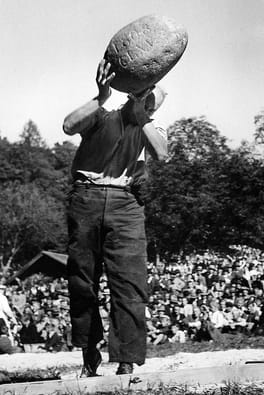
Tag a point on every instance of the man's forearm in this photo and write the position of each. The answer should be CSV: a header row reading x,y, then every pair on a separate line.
x,y
157,142
78,120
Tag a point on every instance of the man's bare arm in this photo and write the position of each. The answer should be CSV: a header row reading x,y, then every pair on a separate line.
x,y
157,142
79,119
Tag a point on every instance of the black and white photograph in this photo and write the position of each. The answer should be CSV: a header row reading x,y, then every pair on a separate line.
x,y
132,197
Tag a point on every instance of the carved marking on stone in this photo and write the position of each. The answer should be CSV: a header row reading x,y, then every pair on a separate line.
x,y
144,51
115,48
130,56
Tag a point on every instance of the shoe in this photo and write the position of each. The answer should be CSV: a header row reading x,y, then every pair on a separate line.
x,y
125,368
92,360
86,372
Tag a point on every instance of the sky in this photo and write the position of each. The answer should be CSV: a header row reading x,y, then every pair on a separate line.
x,y
50,50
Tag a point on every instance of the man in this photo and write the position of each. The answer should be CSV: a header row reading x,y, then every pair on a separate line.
x,y
6,313
106,222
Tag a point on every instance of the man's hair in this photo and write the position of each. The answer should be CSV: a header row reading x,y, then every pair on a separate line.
x,y
157,94
160,95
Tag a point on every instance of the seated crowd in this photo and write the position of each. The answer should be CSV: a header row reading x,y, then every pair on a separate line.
x,y
38,315
196,297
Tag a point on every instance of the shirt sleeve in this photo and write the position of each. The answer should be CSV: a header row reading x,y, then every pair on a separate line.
x,y
95,120
162,132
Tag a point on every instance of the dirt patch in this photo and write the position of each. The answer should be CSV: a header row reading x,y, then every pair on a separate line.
x,y
69,363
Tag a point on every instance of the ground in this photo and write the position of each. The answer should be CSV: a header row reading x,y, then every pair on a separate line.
x,y
69,363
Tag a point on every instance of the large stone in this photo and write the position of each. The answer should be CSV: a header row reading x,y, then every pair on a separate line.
x,y
144,51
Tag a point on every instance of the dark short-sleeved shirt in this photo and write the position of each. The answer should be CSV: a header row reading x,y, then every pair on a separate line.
x,y
110,153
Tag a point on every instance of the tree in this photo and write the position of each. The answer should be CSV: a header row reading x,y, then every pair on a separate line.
x,y
34,185
207,195
259,125
31,161
31,136
186,196
63,156
245,206
8,170
197,138
30,221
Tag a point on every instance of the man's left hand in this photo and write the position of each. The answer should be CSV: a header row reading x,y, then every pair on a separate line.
x,y
139,106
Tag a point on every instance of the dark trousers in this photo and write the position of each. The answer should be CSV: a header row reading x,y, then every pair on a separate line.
x,y
106,225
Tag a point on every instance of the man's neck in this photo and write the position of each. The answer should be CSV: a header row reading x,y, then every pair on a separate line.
x,y
127,114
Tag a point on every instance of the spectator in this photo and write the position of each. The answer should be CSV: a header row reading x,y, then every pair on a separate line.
x,y
6,313
5,342
187,308
217,317
177,283
253,318
194,323
255,280
211,276
29,334
177,335
178,317
19,299
235,320
203,333
47,299
207,330
53,341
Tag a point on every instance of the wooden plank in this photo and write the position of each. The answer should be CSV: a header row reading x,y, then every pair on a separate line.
x,y
190,377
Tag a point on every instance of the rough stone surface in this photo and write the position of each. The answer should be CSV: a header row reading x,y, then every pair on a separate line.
x,y
142,52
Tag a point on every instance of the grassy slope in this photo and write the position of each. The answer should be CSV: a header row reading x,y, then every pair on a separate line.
x,y
229,342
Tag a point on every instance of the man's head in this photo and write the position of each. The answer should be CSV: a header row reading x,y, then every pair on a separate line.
x,y
154,100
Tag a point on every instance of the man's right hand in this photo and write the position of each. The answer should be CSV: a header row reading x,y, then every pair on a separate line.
x,y
81,119
103,80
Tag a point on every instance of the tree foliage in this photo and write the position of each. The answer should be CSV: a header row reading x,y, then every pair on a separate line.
x,y
30,221
34,184
259,125
206,195
31,136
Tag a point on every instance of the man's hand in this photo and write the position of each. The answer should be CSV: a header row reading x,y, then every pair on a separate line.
x,y
142,95
81,119
103,80
139,107
143,108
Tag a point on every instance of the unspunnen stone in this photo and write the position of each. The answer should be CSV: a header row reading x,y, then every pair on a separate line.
x,y
144,51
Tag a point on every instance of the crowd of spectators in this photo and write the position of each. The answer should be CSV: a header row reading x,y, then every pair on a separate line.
x,y
195,297
200,297
40,315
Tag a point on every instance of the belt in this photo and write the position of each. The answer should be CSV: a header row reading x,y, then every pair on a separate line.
x,y
90,185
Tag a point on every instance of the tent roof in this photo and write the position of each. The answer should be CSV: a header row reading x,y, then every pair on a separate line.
x,y
48,262
62,258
